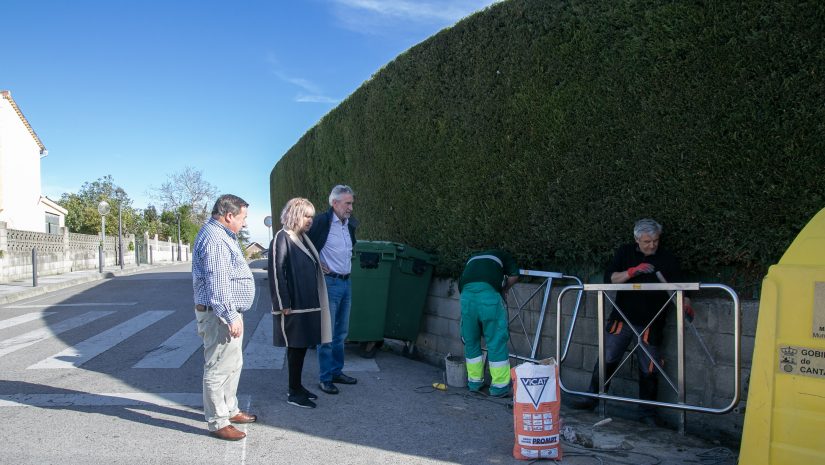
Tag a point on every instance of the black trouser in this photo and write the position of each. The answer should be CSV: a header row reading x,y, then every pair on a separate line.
x,y
295,360
618,336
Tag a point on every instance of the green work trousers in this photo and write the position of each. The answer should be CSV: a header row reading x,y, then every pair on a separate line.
x,y
483,314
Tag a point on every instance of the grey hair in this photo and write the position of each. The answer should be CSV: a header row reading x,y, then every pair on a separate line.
x,y
338,191
293,212
646,226
227,204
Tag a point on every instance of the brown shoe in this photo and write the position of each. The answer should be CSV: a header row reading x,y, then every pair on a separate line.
x,y
229,433
243,417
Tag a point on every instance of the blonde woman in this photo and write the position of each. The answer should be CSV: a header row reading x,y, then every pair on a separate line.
x,y
299,295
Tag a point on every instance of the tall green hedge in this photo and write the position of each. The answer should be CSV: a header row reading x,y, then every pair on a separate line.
x,y
548,127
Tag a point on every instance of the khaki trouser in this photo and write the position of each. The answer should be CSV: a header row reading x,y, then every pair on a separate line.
x,y
223,360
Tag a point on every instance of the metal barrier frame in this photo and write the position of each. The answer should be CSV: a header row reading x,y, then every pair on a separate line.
x,y
677,291
547,285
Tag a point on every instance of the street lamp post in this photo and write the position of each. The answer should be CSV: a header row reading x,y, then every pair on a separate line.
x,y
178,215
102,208
119,235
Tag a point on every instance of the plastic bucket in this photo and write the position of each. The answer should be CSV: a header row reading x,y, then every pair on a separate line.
x,y
456,371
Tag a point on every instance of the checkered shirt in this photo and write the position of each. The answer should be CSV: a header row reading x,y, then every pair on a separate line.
x,y
221,278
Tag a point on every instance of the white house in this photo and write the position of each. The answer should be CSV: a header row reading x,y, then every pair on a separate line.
x,y
21,204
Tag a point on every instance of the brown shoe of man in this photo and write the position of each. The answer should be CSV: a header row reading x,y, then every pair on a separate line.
x,y
244,417
229,433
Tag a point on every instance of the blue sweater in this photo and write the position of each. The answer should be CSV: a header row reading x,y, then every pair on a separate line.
x,y
319,231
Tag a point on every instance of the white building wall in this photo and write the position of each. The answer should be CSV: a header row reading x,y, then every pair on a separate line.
x,y
20,204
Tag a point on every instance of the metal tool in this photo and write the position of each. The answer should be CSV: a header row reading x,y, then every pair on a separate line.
x,y
693,329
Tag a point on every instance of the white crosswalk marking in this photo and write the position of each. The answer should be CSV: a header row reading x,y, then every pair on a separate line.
x,y
260,354
84,351
80,399
24,340
19,320
175,351
79,304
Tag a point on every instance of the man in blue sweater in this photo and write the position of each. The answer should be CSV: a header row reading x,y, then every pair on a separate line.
x,y
333,235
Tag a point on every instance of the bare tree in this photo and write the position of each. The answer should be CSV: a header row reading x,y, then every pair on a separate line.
x,y
187,188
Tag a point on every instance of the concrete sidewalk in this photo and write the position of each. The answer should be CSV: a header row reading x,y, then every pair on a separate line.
x,y
23,289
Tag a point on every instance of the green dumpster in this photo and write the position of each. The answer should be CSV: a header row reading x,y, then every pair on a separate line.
x,y
389,290
372,264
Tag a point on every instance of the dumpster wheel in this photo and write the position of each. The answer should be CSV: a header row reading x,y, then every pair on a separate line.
x,y
370,348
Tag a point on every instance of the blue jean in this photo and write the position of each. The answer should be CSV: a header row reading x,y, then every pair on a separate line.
x,y
331,355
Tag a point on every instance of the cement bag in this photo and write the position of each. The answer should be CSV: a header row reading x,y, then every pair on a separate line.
x,y
536,403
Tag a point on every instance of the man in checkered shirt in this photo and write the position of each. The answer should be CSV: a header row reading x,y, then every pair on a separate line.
x,y
224,288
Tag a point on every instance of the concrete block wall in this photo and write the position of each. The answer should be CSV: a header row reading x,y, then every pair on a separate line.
x,y
706,385
165,251
67,252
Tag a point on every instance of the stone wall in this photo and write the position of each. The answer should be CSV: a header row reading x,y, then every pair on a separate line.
x,y
67,252
706,385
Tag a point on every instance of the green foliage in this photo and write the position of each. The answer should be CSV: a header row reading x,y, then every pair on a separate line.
x,y
149,221
83,217
169,225
549,127
243,239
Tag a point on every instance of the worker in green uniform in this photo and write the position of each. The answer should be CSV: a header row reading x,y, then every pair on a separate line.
x,y
486,278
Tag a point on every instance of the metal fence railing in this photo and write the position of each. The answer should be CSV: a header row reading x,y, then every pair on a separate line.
x,y
677,291
544,289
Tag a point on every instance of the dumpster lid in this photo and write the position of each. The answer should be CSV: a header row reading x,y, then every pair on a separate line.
x,y
401,250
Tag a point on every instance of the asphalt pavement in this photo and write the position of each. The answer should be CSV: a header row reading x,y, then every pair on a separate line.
x,y
106,414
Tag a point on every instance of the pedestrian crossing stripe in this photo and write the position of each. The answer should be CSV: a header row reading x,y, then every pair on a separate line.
x,y
173,353
84,351
82,399
33,337
19,320
260,354
76,304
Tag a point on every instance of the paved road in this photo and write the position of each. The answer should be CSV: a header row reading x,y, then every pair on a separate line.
x,y
110,371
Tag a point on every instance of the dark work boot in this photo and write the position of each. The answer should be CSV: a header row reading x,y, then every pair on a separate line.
x,y
648,386
648,389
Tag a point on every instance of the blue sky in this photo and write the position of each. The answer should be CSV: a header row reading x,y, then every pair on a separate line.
x,y
141,89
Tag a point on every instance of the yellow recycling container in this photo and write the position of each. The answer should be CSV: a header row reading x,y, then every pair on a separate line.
x,y
785,415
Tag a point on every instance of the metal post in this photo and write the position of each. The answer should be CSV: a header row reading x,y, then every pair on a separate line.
x,y
34,267
120,234
540,324
600,305
178,236
137,255
100,258
103,209
680,354
151,258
